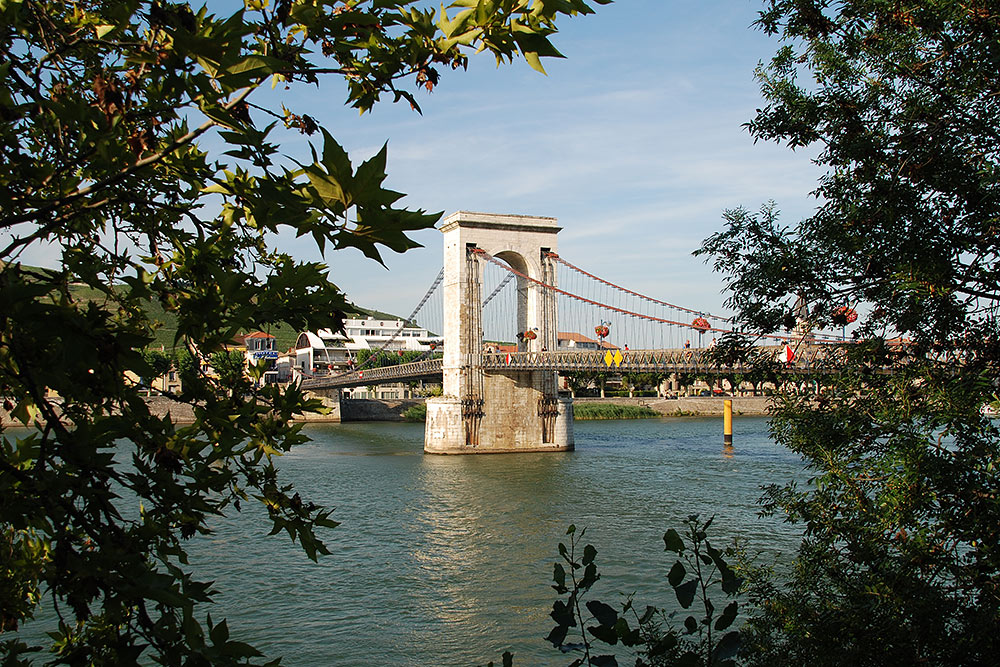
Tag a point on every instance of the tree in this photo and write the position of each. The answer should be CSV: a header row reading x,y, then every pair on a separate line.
x,y
159,362
900,560
742,360
105,109
698,574
231,368
640,381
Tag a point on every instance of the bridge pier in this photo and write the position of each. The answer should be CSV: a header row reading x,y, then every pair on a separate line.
x,y
331,398
515,414
497,411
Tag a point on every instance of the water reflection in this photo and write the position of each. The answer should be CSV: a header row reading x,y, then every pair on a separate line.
x,y
486,515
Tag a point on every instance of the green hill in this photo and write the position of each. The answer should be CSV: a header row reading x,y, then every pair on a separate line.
x,y
284,335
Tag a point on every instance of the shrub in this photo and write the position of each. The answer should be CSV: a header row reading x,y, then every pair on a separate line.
x,y
416,413
612,411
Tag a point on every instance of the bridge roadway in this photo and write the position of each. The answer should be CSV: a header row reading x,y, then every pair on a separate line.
x,y
808,361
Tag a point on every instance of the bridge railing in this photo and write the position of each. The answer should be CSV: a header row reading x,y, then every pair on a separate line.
x,y
429,368
807,360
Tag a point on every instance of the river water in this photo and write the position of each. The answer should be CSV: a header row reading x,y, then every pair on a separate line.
x,y
448,560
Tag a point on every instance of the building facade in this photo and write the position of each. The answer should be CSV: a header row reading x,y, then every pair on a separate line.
x,y
325,351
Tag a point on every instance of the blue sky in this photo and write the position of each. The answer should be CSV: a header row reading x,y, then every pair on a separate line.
x,y
634,142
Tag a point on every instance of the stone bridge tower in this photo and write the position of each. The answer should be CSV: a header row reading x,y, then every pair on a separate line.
x,y
497,411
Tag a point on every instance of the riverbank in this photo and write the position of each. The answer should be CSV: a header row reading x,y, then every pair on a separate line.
x,y
689,406
365,410
375,410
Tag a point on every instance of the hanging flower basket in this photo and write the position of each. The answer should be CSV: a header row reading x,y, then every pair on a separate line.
x,y
844,315
602,331
701,324
530,335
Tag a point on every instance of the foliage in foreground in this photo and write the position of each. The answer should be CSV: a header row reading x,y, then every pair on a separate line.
x,y
900,563
704,638
140,148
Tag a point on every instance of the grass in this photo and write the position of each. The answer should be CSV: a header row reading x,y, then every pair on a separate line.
x,y
612,411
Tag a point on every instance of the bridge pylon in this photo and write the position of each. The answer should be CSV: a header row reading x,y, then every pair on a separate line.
x,y
495,411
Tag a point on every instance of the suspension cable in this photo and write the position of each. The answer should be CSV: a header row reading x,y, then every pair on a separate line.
x,y
637,294
503,283
485,255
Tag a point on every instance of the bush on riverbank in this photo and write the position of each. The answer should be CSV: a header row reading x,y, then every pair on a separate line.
x,y
416,413
611,411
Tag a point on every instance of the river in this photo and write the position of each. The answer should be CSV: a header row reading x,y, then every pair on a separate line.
x,y
448,560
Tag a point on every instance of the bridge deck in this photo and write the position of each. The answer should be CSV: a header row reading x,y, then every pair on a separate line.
x,y
634,361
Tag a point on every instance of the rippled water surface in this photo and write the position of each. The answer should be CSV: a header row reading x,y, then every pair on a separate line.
x,y
448,560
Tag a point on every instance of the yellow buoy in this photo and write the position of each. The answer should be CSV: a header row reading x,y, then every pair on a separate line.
x,y
727,423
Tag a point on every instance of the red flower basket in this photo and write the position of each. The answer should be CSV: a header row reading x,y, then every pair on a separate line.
x,y
844,315
602,331
701,324
530,335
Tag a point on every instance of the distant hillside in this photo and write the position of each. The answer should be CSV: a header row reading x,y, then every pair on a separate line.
x,y
284,335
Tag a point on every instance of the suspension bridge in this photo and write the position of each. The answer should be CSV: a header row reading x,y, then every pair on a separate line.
x,y
514,314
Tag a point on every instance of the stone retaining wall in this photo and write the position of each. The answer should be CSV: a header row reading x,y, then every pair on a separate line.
x,y
375,410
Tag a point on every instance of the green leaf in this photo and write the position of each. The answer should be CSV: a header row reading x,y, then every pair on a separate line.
x,y
690,625
25,411
557,635
672,541
606,634
727,647
562,613
604,613
685,592
676,574
727,617
647,615
335,158
559,577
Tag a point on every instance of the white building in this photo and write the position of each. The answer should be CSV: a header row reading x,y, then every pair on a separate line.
x,y
574,341
324,351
